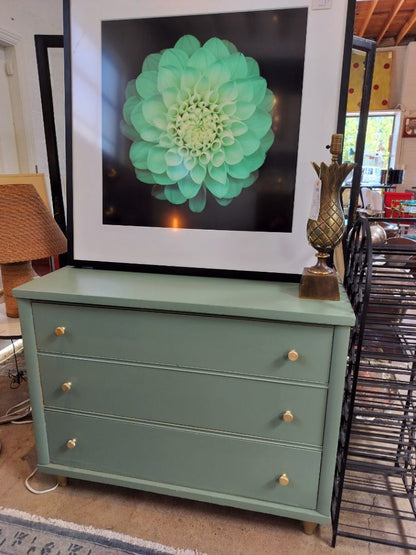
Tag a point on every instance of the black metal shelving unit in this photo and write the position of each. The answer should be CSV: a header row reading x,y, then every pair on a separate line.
x,y
375,482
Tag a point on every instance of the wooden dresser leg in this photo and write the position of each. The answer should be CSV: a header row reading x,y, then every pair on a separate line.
x,y
309,527
62,481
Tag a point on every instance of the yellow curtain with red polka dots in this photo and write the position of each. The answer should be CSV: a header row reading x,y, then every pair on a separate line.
x,y
380,92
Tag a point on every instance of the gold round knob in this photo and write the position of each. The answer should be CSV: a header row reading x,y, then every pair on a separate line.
x,y
71,443
293,355
66,386
60,330
288,416
283,480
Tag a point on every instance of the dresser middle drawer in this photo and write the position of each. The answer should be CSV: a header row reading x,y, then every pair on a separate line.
x,y
244,346
260,408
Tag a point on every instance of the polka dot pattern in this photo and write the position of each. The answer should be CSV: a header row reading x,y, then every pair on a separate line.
x,y
380,93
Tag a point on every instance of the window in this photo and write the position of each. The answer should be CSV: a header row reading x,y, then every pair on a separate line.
x,y
380,143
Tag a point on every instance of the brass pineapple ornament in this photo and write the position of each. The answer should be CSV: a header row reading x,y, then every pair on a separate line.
x,y
324,233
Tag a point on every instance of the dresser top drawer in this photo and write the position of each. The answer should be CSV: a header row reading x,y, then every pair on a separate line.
x,y
219,296
243,346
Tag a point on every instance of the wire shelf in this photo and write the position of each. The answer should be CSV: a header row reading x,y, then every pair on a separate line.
x,y
375,480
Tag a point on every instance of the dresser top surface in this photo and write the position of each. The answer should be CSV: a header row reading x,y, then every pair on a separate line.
x,y
208,295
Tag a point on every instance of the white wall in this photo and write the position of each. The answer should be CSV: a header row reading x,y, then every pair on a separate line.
x,y
24,19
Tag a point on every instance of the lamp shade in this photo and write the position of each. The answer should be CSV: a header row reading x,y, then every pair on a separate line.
x,y
28,232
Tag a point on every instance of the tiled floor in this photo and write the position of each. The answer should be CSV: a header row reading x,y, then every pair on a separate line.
x,y
208,528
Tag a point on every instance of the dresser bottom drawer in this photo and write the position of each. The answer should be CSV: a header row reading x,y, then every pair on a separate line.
x,y
185,458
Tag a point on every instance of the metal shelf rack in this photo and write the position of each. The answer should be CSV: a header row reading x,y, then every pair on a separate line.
x,y
375,481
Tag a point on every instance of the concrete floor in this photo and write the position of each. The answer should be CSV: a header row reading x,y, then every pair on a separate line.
x,y
208,528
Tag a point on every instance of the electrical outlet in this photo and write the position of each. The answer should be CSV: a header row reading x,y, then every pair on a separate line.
x,y
321,4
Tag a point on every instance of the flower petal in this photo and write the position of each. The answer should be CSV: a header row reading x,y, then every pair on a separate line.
x,y
240,171
188,43
173,57
177,172
223,201
197,204
163,179
174,195
248,181
267,141
235,187
138,155
229,109
202,86
129,106
268,101
136,115
218,74
168,77
158,192
253,69
227,138
218,158
233,153
238,128
146,84
165,140
230,46
260,122
153,107
189,78
190,162
150,133
170,96
156,159
215,187
145,177
217,48
255,160
130,89
244,89
188,187
237,65
249,142
128,131
198,173
201,60
228,92
151,62
172,157
219,174
244,110
259,90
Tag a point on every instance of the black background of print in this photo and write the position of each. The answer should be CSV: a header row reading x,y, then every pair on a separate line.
x,y
276,40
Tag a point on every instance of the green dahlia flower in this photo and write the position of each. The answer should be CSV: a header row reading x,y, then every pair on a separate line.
x,y
200,120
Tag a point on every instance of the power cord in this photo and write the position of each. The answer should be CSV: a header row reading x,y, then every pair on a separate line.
x,y
37,491
16,412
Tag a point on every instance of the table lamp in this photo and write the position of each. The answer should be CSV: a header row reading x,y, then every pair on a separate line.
x,y
28,232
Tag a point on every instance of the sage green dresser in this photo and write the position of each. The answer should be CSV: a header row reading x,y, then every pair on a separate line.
x,y
221,390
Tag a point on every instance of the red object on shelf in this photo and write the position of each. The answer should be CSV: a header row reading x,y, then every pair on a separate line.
x,y
393,196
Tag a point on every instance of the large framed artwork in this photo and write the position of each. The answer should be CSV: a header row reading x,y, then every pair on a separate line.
x,y
192,131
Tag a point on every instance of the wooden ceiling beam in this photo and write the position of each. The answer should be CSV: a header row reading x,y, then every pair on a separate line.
x,y
390,19
403,31
367,18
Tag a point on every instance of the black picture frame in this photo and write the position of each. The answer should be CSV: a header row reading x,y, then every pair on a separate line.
x,y
42,45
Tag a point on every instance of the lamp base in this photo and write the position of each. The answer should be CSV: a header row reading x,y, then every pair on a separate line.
x,y
13,275
323,287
